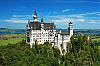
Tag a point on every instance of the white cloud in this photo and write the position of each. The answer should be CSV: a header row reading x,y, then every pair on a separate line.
x,y
99,14
59,20
77,18
91,13
58,16
93,21
66,10
16,21
21,16
65,19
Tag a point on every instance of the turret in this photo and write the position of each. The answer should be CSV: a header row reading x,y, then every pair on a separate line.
x,y
35,16
42,25
70,29
42,19
28,32
60,31
27,26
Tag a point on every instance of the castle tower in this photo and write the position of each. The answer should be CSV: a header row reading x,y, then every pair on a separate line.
x,y
28,32
35,16
42,19
60,31
70,29
42,25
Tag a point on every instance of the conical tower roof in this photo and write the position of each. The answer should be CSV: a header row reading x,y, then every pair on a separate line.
x,y
35,13
70,23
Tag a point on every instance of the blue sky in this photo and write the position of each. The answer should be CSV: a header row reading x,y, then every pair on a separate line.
x,y
85,14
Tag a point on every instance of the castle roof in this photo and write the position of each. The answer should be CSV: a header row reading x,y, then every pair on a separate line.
x,y
70,23
37,25
35,13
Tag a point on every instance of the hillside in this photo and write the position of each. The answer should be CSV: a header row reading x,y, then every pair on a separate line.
x,y
82,53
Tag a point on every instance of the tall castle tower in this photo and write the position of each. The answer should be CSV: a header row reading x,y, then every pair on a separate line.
x,y
70,29
35,16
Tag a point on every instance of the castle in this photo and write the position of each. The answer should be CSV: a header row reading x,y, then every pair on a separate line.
x,y
40,32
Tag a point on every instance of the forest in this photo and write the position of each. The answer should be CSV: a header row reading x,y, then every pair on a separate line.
x,y
84,52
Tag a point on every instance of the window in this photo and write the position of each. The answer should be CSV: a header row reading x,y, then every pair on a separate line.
x,y
61,45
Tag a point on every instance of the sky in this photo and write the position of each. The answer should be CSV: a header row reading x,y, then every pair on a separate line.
x,y
85,14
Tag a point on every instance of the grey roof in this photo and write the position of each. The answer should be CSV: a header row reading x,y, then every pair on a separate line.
x,y
37,25
70,23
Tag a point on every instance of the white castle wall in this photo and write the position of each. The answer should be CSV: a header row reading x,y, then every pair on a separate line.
x,y
42,36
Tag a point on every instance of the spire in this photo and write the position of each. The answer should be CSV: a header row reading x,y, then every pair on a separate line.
x,y
42,19
35,13
70,23
28,21
35,17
